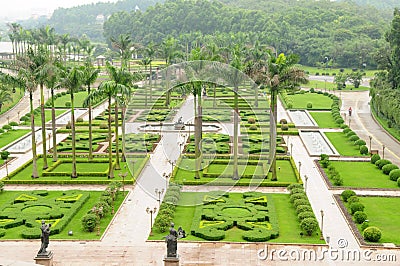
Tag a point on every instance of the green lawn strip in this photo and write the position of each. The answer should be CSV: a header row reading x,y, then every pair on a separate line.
x,y
185,174
382,212
11,136
25,174
362,175
333,71
47,114
289,228
319,101
79,97
332,87
324,119
74,225
342,144
16,97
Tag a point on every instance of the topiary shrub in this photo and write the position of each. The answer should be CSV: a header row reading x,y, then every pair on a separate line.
x,y
398,182
359,142
283,121
394,174
24,119
353,199
303,208
79,120
339,121
251,120
294,185
68,126
338,180
13,123
382,162
364,150
309,225
359,217
68,104
296,191
386,169
297,196
375,158
299,202
346,194
309,105
354,138
89,222
356,206
372,234
346,130
103,126
350,133
364,225
2,232
7,127
304,215
284,127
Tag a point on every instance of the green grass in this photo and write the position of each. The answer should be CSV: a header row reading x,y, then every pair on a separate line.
x,y
342,144
363,175
74,225
47,113
384,123
382,212
313,70
11,136
332,87
324,119
16,97
319,101
289,228
79,97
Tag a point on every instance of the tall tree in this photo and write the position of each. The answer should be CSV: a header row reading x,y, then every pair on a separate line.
x,y
393,38
123,43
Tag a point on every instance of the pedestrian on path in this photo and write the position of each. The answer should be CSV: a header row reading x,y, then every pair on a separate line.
x,y
350,110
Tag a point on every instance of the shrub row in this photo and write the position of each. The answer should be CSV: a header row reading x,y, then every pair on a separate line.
x,y
387,168
167,208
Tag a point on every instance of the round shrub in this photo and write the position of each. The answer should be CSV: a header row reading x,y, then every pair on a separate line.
x,y
359,142
2,232
364,225
13,123
350,133
346,130
7,127
364,150
283,121
297,196
297,191
68,126
103,126
284,127
372,234
354,138
360,217
24,119
294,185
309,105
344,126
253,127
303,208
394,174
304,215
375,158
338,181
309,225
356,206
251,120
386,169
339,121
398,182
346,194
162,222
80,119
382,162
68,104
299,202
353,199
89,222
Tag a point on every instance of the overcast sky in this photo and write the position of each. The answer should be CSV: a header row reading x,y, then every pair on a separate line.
x,y
21,9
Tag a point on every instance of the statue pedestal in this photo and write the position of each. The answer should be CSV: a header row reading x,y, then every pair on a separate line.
x,y
44,259
171,261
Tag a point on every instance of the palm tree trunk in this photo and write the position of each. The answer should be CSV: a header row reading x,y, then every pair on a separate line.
x,y
34,156
197,138
256,95
90,156
150,80
53,126
117,166
123,158
273,124
44,142
214,96
235,175
73,174
110,164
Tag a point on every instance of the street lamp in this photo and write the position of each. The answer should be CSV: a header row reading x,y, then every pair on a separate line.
x,y
133,171
370,139
123,175
349,121
151,211
173,163
180,147
166,176
322,225
159,192
383,151
291,149
305,185
299,167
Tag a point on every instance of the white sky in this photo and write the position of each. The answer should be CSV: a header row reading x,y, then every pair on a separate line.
x,y
23,9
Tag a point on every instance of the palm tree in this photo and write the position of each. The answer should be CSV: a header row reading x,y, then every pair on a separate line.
x,y
64,40
169,51
90,75
73,80
5,95
124,45
280,72
109,89
150,53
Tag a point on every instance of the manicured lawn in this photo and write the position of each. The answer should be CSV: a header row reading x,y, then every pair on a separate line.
x,y
320,70
382,212
47,113
79,97
11,136
362,175
289,228
74,225
332,87
16,97
342,144
319,101
324,119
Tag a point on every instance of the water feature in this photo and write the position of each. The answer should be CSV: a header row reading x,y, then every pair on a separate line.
x,y
25,144
171,127
66,117
302,118
316,143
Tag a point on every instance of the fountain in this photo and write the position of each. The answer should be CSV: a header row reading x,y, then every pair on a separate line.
x,y
302,118
24,144
66,117
174,127
316,144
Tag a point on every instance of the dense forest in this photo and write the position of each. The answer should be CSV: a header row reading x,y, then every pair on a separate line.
x,y
315,30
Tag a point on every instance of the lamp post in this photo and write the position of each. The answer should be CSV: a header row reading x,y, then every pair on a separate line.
x,y
322,225
299,167
349,121
159,192
291,149
166,176
305,185
18,115
8,120
383,151
173,163
151,211
180,147
370,139
133,171
123,175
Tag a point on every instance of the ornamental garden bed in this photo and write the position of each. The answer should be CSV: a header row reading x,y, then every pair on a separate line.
x,y
235,217
156,115
355,174
344,144
369,211
12,135
59,172
324,119
82,142
219,172
21,213
308,100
